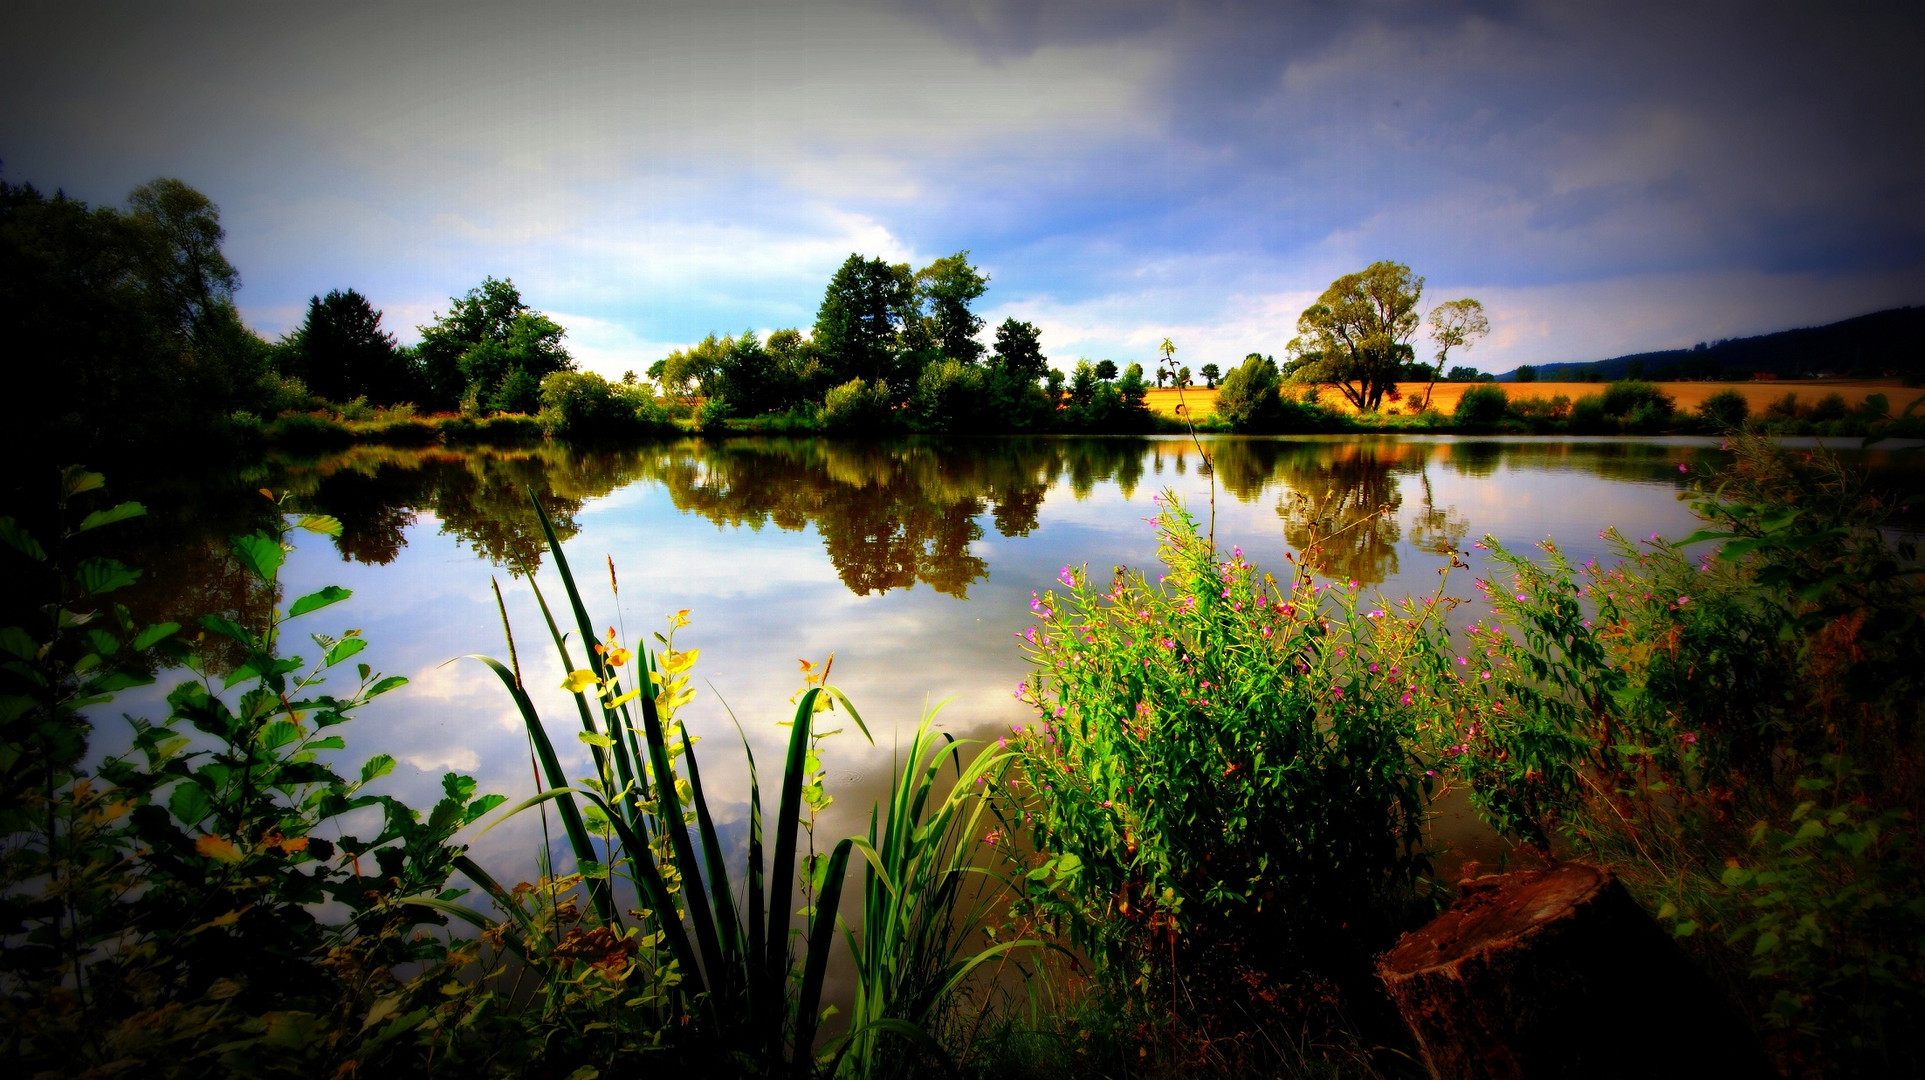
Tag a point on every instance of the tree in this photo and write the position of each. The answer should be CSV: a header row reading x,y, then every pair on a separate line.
x,y
1019,351
1357,334
490,349
1211,373
1106,370
184,260
856,328
1454,324
1250,397
1524,373
1183,376
948,286
341,352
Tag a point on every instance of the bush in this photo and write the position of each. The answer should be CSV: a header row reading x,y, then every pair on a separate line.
x,y
1222,766
1830,407
947,397
214,918
308,432
857,407
584,406
1738,732
1250,396
1725,409
1482,405
1630,396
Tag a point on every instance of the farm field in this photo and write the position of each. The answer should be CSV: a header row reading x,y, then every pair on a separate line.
x,y
1688,395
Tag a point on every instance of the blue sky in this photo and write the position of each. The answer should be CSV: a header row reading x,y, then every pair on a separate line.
x,y
1606,178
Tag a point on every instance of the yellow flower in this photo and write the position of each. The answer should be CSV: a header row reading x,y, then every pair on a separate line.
x,y
578,680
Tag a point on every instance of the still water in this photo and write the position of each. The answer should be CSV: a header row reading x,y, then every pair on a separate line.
x,y
911,562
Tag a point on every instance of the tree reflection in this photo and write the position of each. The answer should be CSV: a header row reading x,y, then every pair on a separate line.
x,y
1341,511
890,514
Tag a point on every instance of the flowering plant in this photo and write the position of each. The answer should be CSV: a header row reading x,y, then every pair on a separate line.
x,y
1220,760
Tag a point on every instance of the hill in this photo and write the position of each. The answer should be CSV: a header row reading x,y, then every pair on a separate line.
x,y
1884,344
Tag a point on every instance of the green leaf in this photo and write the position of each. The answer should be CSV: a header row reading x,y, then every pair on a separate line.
x,y
345,648
379,765
107,517
154,635
320,523
595,739
105,575
386,685
189,803
74,480
315,601
19,540
279,734
1685,928
228,628
260,553
17,642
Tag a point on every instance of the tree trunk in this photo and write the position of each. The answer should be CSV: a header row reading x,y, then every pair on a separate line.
x,y
1559,973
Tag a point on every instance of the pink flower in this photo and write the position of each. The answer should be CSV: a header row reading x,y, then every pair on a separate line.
x,y
1689,738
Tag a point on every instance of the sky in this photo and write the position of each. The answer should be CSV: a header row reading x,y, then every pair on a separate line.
x,y
1604,178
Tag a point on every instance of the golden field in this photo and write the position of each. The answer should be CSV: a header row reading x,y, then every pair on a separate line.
x,y
1688,395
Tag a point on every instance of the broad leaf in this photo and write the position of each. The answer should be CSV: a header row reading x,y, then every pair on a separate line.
x,y
107,517
261,554
315,601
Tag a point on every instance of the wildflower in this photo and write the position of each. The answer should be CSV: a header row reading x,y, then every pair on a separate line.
x,y
1374,613
1373,665
1487,675
1067,577
1682,468
1689,738
1406,699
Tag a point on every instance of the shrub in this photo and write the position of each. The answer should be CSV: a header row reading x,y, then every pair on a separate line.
x,y
582,405
1588,416
1875,407
1830,407
212,917
1482,405
1631,396
1221,764
308,432
857,407
1250,396
1738,732
947,396
1725,409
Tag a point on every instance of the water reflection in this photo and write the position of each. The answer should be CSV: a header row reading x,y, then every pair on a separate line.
x,y
889,515
892,515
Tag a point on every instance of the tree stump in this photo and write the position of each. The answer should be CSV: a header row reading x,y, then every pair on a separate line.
x,y
1559,973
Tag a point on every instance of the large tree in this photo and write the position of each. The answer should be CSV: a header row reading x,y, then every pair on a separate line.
x,y
341,352
862,315
490,350
1019,351
123,322
947,287
1357,335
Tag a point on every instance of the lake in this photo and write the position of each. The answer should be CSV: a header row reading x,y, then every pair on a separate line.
x,y
912,562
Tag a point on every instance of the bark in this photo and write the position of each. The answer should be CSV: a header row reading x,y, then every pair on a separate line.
x,y
1559,973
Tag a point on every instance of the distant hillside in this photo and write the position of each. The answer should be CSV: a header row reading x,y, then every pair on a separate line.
x,y
1884,343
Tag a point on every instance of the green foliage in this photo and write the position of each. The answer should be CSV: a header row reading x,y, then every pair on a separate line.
x,y
1019,351
341,353
949,397
584,406
1482,405
707,972
1726,409
1357,334
863,310
1224,765
948,287
1250,397
857,407
180,910
490,350
1739,732
131,316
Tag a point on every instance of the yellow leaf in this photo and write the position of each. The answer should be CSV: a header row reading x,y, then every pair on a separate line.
x,y
674,662
578,680
624,699
215,847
